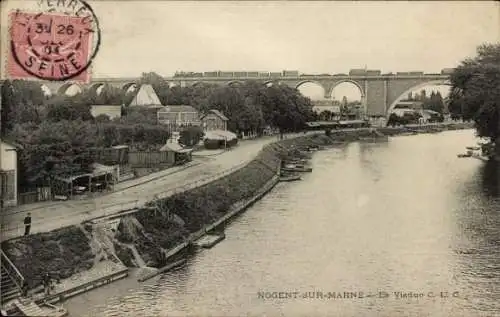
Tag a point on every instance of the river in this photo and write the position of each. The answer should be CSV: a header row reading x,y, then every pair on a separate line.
x,y
372,219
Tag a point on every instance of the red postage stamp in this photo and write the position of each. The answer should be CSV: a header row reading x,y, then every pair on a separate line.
x,y
53,46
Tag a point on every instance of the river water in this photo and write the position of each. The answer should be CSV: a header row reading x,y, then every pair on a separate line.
x,y
371,220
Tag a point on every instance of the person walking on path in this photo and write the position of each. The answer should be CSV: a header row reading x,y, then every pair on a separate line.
x,y
27,224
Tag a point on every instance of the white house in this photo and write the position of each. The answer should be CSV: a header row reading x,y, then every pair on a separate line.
x,y
8,173
112,111
178,117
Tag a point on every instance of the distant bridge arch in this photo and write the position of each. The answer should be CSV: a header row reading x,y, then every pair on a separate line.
x,y
198,84
235,83
309,81
94,87
438,82
127,86
64,88
350,81
269,83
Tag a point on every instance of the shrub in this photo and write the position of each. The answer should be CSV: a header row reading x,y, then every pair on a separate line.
x,y
124,254
64,251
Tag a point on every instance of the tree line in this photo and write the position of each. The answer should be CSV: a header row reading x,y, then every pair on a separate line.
x,y
475,93
432,102
56,132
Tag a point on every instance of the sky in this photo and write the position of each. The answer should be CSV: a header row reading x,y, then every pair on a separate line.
x,y
311,37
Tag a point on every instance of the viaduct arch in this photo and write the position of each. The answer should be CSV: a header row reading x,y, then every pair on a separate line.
x,y
418,86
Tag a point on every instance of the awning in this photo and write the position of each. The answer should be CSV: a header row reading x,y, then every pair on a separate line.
x,y
220,135
100,169
69,179
175,147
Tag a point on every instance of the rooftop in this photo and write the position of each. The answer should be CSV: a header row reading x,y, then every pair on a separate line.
x,y
179,108
217,113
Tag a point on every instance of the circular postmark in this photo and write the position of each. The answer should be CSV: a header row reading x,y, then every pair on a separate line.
x,y
57,43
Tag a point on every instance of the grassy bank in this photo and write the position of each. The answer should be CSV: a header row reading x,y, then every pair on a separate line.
x,y
142,238
66,251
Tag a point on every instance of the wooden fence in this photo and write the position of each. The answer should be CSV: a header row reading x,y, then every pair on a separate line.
x,y
109,156
34,195
151,159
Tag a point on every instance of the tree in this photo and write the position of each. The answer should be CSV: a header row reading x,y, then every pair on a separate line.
x,y
68,108
393,120
326,115
423,95
159,84
21,102
191,136
475,91
344,101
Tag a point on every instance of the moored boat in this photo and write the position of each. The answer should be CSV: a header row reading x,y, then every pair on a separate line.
x,y
209,240
297,169
296,161
290,178
473,148
480,157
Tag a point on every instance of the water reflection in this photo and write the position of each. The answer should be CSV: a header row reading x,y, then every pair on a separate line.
x,y
490,175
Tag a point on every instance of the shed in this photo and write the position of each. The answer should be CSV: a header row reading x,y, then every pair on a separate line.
x,y
102,177
179,154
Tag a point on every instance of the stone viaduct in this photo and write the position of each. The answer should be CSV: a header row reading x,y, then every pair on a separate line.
x,y
379,93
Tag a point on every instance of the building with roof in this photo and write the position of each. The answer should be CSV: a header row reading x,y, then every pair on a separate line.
x,y
215,139
176,153
214,120
112,111
146,97
178,117
8,173
415,105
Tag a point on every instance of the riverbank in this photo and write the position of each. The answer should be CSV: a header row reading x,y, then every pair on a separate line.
x,y
152,235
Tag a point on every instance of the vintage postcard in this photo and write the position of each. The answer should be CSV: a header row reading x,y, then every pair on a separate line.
x,y
250,158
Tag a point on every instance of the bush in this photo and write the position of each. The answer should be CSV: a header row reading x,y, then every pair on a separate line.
x,y
165,233
124,254
191,136
64,251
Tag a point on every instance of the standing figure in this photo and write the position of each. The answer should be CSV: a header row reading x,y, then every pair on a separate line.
x,y
24,288
27,224
46,283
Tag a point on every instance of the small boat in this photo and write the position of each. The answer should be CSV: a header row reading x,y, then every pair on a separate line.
x,y
295,166
209,240
297,169
298,161
473,148
290,178
464,155
479,157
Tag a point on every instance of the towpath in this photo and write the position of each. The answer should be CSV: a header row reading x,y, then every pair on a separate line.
x,y
204,168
